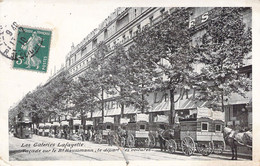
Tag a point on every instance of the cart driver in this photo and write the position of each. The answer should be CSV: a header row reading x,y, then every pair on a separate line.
x,y
162,141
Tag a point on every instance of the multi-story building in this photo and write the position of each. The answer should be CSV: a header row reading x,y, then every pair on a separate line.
x,y
120,27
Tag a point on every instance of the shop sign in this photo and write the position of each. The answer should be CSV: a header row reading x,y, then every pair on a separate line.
x,y
204,17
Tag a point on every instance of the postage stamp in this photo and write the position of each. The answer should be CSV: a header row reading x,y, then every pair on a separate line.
x,y
32,49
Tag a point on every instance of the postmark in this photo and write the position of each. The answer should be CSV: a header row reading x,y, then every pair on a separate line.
x,y
8,39
32,49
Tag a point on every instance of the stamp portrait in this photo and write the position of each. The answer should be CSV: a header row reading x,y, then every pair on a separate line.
x,y
32,49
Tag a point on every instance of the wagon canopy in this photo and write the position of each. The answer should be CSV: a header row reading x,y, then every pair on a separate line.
x,y
108,119
88,122
55,124
142,117
64,123
204,112
76,122
41,124
124,120
161,118
48,124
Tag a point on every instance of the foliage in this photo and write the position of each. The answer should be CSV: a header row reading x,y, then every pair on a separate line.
x,y
224,46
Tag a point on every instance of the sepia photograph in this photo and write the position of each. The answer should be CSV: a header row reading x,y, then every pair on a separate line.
x,y
100,82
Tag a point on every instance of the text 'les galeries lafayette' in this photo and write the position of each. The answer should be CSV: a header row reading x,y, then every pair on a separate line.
x,y
60,145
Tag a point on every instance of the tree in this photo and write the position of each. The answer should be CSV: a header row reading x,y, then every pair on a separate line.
x,y
97,77
224,46
167,44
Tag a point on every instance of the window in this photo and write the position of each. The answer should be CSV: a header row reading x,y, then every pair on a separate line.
x,y
142,127
162,10
204,126
155,98
218,128
105,33
108,127
94,43
83,49
131,33
139,28
151,20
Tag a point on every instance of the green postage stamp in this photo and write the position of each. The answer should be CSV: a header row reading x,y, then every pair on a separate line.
x,y
32,49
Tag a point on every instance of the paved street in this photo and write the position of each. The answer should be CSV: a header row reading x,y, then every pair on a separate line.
x,y
45,148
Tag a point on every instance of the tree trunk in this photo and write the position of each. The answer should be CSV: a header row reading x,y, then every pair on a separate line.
x,y
222,101
102,103
172,107
122,110
142,110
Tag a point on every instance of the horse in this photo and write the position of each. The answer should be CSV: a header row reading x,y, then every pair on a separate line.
x,y
234,138
163,136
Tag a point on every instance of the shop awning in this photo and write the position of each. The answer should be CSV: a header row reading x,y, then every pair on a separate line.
x,y
112,112
97,114
131,110
235,98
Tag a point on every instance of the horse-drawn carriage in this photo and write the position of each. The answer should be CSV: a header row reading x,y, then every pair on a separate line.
x,y
47,128
160,122
88,130
121,131
64,129
105,130
202,131
138,132
41,129
76,133
55,128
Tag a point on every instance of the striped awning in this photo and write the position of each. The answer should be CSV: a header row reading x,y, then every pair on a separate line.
x,y
235,98
111,112
97,114
131,110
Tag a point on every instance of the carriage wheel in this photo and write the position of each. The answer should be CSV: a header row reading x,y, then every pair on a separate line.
x,y
152,141
187,145
171,146
99,139
147,142
218,147
130,141
205,148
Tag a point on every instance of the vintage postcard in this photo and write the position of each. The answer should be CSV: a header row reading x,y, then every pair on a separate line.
x,y
129,83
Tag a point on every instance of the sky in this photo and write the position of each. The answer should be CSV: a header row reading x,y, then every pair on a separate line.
x,y
69,23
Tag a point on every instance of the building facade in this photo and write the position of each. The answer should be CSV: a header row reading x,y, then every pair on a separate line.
x,y
120,27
